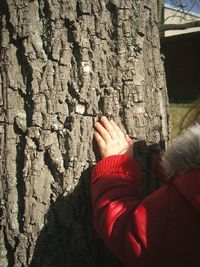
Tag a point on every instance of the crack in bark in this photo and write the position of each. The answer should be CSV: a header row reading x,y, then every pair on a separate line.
x,y
57,176
45,15
20,159
10,251
27,74
70,30
28,106
79,10
26,69
77,55
112,8
5,183
76,49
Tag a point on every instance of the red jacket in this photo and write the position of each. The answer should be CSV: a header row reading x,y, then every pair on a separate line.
x,y
161,230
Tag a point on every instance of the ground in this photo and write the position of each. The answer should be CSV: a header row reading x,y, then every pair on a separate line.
x,y
181,115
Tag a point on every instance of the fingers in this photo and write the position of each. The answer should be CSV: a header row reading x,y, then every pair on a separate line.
x,y
108,126
102,132
109,130
116,128
128,139
111,140
99,140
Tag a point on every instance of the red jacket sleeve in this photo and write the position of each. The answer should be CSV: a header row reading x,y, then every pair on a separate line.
x,y
119,213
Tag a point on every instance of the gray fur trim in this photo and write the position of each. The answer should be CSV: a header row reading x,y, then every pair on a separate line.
x,y
184,152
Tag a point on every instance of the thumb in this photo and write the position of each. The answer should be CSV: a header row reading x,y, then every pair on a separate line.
x,y
128,139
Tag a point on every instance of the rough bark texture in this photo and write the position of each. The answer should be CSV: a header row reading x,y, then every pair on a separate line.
x,y
63,64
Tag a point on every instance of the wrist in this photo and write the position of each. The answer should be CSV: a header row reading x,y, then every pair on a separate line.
x,y
116,164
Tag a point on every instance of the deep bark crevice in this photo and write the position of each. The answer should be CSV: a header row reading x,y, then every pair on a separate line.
x,y
45,17
10,250
73,93
27,73
112,8
79,10
3,11
58,177
70,30
26,69
77,55
20,159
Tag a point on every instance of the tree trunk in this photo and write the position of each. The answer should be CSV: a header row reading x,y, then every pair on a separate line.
x,y
63,65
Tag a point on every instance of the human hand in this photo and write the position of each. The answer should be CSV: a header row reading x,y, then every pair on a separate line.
x,y
111,140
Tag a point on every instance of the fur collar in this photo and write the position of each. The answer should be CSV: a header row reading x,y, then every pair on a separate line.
x,y
184,152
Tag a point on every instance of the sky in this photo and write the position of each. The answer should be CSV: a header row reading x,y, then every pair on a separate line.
x,y
192,5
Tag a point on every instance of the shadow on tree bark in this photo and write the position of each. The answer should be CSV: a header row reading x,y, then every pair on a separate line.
x,y
68,238
146,156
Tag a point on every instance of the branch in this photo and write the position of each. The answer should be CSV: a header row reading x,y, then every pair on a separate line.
x,y
167,27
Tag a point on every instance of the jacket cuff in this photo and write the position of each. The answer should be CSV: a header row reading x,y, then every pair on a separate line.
x,y
116,164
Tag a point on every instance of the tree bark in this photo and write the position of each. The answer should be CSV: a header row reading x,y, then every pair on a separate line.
x,y
63,65
160,11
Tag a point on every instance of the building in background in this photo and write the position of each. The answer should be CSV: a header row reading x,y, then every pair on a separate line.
x,y
181,49
174,15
